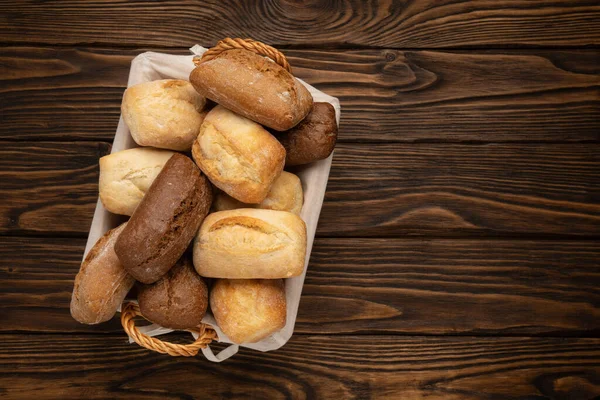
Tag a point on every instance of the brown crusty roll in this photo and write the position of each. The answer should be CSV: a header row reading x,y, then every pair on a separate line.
x,y
250,244
165,221
166,113
285,195
178,300
102,283
248,310
238,155
312,139
125,177
253,86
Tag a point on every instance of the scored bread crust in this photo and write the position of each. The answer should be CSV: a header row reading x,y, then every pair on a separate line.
x,y
253,86
250,244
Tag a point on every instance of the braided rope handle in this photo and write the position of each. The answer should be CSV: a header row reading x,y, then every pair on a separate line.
x,y
205,335
246,44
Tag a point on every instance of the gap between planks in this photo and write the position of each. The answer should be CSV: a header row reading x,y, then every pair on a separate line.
x,y
282,46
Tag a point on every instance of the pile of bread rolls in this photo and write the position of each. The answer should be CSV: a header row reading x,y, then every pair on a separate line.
x,y
219,229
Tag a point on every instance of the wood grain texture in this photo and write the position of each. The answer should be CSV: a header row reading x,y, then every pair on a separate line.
x,y
318,367
49,187
467,287
412,24
373,190
506,189
386,95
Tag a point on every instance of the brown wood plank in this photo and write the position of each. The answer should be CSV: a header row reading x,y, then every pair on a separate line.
x,y
374,190
467,287
406,24
379,190
318,367
386,95
49,187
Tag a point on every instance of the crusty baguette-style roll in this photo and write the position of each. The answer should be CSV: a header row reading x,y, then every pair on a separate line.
x,y
312,139
285,195
248,310
238,155
166,220
253,86
178,300
250,244
166,114
125,177
102,283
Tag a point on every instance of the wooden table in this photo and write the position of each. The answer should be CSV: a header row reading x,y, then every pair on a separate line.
x,y
458,250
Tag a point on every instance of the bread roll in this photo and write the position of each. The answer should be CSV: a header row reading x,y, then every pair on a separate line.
x,y
312,139
253,86
102,283
248,310
285,195
125,177
250,244
239,156
164,114
178,300
165,221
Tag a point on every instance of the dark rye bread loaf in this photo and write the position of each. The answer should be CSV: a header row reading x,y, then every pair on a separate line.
x,y
312,139
165,221
178,300
254,87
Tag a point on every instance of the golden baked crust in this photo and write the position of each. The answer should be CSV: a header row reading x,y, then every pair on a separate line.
x,y
102,282
285,195
126,176
250,244
253,86
178,300
248,310
164,113
238,155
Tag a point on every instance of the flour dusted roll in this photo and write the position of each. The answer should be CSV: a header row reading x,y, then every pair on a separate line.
x,y
238,155
248,310
285,195
253,86
178,300
250,244
166,113
102,282
166,220
126,176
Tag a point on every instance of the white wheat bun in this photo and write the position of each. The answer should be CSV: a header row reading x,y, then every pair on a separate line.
x,y
248,310
126,176
239,156
250,243
166,113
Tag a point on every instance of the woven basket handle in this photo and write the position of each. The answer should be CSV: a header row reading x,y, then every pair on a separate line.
x,y
246,44
205,335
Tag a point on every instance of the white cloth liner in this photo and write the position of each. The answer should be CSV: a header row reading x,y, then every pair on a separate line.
x,y
151,66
